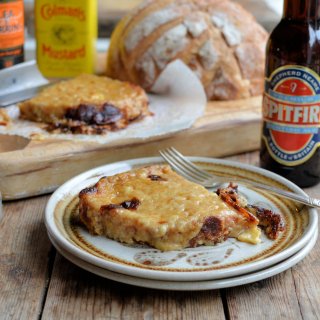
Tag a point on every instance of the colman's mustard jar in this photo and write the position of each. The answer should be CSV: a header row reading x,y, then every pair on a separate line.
x,y
66,32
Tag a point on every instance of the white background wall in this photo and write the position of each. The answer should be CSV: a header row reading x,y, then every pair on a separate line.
x,y
267,12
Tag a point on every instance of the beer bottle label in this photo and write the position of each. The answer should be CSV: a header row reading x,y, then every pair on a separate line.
x,y
11,32
291,108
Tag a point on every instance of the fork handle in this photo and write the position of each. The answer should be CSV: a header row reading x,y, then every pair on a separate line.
x,y
312,202
290,195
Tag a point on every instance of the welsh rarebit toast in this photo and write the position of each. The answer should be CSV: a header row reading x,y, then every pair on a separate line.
x,y
156,206
87,104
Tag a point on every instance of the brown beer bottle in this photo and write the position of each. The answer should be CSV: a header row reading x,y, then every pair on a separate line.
x,y
290,143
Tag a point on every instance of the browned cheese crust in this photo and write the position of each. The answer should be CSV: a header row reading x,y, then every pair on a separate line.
x,y
156,206
87,104
272,222
4,118
218,39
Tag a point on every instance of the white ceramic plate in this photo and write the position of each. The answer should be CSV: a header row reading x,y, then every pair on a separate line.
x,y
231,258
197,285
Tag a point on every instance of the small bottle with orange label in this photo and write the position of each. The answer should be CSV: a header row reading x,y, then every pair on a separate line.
x,y
66,32
11,32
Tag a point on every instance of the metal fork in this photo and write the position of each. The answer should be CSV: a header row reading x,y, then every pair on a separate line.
x,y
191,172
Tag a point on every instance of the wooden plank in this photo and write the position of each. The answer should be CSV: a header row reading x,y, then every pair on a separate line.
x,y
306,276
39,167
24,252
273,298
76,294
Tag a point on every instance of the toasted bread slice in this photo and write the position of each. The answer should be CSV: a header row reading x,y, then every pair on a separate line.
x,y
156,206
87,104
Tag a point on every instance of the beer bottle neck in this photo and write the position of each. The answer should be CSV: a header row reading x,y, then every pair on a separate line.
x,y
301,9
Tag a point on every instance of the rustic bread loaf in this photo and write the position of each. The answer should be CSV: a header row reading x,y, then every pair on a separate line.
x,y
220,41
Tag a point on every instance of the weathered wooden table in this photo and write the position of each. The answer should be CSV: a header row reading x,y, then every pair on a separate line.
x,y
37,283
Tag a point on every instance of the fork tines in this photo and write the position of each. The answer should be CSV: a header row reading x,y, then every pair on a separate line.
x,y
184,166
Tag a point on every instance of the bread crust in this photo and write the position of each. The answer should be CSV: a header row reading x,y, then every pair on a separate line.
x,y
219,40
4,118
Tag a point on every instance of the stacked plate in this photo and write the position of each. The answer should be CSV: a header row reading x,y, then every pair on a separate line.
x,y
228,264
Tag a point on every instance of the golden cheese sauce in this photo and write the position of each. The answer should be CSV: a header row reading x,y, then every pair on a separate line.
x,y
66,33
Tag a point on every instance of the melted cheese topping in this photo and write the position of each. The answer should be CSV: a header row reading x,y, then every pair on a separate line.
x,y
171,212
85,88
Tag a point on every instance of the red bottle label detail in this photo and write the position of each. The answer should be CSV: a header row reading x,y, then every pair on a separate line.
x,y
291,114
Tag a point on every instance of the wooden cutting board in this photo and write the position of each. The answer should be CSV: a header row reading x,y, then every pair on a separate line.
x,y
29,168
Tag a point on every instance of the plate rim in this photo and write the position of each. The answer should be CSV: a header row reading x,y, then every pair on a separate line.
x,y
214,284
58,195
